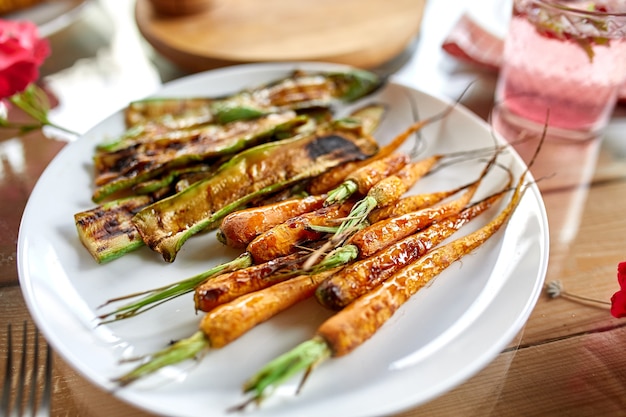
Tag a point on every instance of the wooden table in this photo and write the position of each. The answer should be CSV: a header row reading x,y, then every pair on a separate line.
x,y
568,360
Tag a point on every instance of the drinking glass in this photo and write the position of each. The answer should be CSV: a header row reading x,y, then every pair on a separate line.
x,y
563,64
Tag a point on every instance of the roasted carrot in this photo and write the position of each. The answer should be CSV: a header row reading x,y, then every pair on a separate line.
x,y
285,237
398,227
397,290
359,321
385,191
383,194
238,229
364,178
413,203
352,326
229,321
226,287
370,239
358,278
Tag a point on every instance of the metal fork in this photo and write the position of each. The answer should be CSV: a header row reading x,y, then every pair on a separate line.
x,y
25,384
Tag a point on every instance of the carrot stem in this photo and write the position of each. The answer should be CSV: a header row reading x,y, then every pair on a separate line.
x,y
341,193
182,350
162,294
304,356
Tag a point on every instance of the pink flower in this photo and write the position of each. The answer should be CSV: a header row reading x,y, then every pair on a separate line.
x,y
618,301
21,54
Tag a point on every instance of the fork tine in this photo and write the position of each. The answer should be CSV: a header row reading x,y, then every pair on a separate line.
x,y
19,397
8,374
26,386
43,410
32,395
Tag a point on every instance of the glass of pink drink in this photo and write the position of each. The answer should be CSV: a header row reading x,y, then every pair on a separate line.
x,y
567,58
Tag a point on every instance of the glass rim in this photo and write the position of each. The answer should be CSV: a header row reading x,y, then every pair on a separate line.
x,y
559,5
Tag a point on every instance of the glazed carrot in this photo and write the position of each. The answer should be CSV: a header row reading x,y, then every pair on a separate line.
x,y
229,321
370,239
355,324
352,326
412,203
356,279
364,178
285,237
238,229
388,192
226,287
398,227
380,304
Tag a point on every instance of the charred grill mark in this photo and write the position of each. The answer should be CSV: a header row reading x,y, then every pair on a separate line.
x,y
135,159
334,144
299,91
105,224
148,159
252,171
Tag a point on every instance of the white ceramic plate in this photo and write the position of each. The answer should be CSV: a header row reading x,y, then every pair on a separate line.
x,y
445,334
50,16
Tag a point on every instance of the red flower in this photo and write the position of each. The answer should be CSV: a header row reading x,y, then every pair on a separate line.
x,y
21,54
618,301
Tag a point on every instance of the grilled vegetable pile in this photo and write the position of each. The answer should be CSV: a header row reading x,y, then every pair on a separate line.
x,y
183,164
316,207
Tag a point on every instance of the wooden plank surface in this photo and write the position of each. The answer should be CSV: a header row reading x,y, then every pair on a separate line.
x,y
544,380
569,359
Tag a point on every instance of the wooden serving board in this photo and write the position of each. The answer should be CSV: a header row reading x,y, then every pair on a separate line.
x,y
362,33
